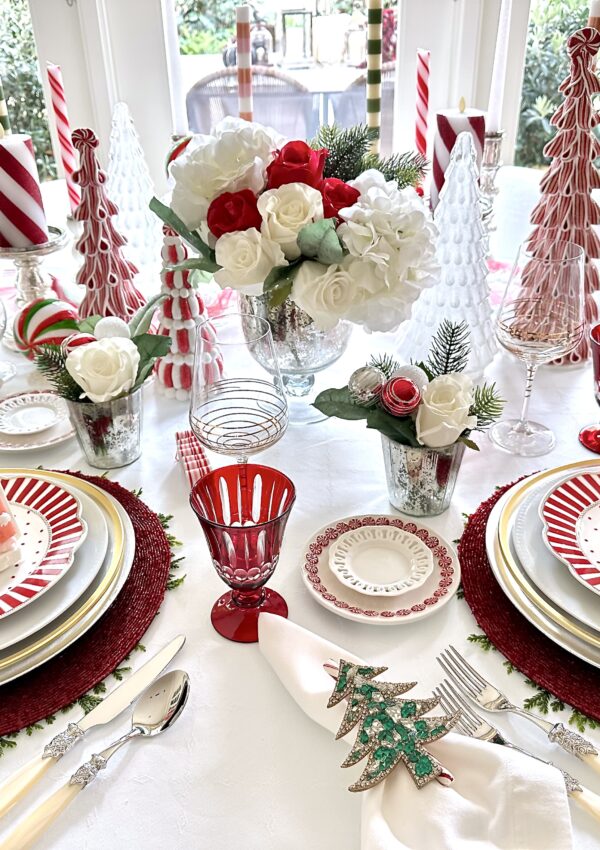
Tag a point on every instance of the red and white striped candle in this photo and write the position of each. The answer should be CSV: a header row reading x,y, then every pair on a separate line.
x,y
422,100
450,123
244,61
67,151
22,217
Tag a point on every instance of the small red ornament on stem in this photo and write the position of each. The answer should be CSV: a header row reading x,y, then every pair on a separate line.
x,y
400,396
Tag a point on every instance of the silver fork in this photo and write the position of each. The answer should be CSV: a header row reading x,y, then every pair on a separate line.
x,y
473,725
491,699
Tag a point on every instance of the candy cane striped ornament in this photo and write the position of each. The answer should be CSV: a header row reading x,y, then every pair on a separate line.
x,y
244,61
22,217
67,151
422,100
44,321
374,32
450,123
179,314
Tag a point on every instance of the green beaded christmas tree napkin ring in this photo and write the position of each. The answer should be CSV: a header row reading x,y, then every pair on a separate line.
x,y
390,730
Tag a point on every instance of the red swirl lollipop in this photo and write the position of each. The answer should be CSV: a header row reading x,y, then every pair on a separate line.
x,y
400,396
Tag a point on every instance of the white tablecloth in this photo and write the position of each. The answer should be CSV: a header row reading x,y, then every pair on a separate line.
x,y
243,767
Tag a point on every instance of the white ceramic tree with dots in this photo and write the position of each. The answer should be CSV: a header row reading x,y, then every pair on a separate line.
x,y
461,293
130,187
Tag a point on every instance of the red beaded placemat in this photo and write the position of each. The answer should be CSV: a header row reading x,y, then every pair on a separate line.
x,y
68,676
540,659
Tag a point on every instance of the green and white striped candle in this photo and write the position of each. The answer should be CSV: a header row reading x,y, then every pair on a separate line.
x,y
4,121
374,20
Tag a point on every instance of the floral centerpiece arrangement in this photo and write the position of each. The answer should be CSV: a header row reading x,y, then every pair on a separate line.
x,y
99,370
343,234
425,412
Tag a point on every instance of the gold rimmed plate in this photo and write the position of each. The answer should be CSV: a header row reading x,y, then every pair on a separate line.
x,y
43,645
501,524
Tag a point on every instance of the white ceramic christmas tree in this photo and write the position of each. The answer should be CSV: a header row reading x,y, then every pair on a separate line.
x,y
130,187
461,292
178,315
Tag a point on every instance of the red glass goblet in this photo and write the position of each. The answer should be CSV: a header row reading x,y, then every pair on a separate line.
x,y
590,435
243,510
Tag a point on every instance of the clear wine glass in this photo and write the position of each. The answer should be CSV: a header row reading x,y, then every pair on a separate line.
x,y
7,370
541,318
238,404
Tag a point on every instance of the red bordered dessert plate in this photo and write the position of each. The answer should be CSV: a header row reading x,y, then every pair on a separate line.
x,y
417,604
571,517
49,519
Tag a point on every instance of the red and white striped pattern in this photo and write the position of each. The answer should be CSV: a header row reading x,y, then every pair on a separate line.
x,y
22,217
192,456
63,129
571,515
244,61
422,100
44,320
60,511
450,123
179,314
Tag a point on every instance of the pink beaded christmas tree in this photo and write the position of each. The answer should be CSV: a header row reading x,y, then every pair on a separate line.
x,y
566,210
180,312
105,272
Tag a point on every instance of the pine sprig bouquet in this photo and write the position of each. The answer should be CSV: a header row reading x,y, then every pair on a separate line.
x,y
107,358
431,404
342,233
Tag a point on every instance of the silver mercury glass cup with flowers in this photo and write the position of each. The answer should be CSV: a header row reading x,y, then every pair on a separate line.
x,y
100,371
315,237
425,413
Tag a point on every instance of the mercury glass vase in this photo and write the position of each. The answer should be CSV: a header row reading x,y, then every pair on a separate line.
x,y
301,350
110,432
421,481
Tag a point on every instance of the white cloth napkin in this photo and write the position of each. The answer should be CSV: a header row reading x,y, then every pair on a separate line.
x,y
499,800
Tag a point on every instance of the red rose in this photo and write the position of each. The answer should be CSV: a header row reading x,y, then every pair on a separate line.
x,y
336,196
233,211
296,162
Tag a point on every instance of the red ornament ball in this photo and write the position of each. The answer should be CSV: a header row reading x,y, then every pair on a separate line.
x,y
400,396
43,321
74,341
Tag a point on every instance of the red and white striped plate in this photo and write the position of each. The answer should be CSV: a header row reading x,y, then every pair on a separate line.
x,y
571,517
51,526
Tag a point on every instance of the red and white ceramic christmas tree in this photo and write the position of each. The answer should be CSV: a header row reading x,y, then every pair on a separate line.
x,y
180,312
566,210
106,274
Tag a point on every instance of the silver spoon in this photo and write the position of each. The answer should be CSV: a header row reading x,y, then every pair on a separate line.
x,y
157,708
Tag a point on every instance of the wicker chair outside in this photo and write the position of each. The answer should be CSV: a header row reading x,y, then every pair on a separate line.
x,y
350,106
280,102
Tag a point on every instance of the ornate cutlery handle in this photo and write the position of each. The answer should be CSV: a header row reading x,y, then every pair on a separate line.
x,y
15,788
27,832
575,744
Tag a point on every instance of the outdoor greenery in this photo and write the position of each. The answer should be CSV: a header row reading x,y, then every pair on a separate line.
x,y
546,65
21,79
205,26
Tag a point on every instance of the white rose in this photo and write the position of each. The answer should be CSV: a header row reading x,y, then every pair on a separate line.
x,y
234,158
330,293
286,210
246,258
444,410
104,369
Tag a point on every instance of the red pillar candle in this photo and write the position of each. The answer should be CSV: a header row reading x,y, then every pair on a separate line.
x,y
22,217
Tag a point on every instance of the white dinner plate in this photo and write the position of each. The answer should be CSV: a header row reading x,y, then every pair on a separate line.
x,y
326,588
552,630
88,561
31,413
82,624
380,560
54,435
545,570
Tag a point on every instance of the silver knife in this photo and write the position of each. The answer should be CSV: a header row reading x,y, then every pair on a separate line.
x,y
24,779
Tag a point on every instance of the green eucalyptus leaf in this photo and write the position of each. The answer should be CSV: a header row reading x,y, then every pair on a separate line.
x,y
150,346
88,326
142,319
279,281
401,429
320,241
468,443
167,215
339,402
